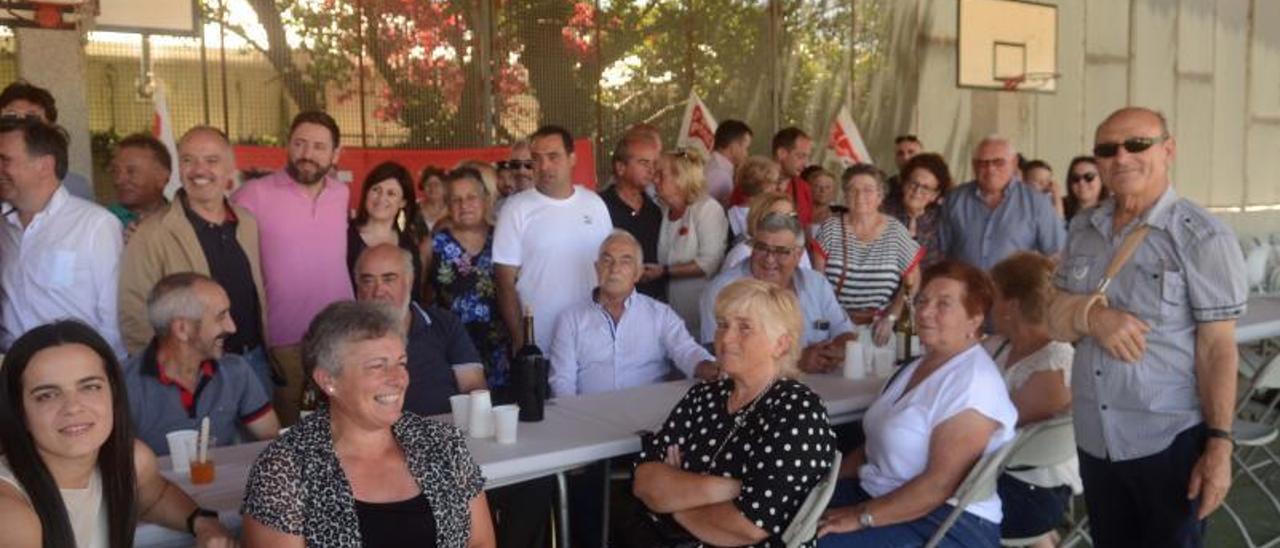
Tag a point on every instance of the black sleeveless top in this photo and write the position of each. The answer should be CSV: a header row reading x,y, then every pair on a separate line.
x,y
404,523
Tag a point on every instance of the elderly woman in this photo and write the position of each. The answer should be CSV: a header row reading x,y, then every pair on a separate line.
x,y
757,175
1038,373
460,272
72,473
933,420
925,183
360,471
867,255
764,204
386,207
692,238
1084,186
723,469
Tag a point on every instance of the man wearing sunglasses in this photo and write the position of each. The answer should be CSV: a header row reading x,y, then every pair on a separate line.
x,y
996,215
1155,378
776,249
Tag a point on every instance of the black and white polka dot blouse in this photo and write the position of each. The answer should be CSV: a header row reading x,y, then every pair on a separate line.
x,y
782,448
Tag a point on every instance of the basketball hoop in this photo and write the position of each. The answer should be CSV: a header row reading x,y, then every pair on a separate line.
x,y
1030,80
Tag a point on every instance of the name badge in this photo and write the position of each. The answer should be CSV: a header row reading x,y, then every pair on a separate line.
x,y
821,325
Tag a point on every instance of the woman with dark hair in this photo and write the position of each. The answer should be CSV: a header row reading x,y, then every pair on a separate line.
x,y
925,183
431,202
72,473
386,209
1084,186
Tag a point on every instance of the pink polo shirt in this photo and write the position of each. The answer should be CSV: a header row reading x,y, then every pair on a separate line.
x,y
304,250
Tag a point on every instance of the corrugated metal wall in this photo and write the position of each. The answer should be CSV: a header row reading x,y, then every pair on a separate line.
x,y
1213,67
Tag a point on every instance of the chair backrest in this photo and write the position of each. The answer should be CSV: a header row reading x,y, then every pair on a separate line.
x,y
1044,443
979,484
1268,377
804,525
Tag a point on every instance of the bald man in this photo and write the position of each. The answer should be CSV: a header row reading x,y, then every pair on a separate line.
x,y
1154,381
202,232
996,215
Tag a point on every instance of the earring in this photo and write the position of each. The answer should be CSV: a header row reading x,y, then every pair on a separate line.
x,y
329,389
400,222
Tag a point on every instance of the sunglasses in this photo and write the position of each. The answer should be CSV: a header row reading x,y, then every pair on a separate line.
x,y
515,164
1132,145
1077,177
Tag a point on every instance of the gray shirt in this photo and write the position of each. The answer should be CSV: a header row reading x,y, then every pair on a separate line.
x,y
1188,270
823,318
1025,220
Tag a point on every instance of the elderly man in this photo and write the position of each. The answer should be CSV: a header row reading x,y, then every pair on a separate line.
x,y
140,170
302,221
202,232
442,359
59,254
635,160
546,240
775,255
1155,378
621,338
986,220
184,375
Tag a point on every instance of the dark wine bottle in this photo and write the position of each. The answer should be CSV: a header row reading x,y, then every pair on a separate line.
x,y
531,368
905,331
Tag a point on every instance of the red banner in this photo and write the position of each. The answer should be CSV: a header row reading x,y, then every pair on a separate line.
x,y
359,161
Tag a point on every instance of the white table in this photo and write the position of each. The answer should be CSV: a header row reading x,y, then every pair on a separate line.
x,y
576,431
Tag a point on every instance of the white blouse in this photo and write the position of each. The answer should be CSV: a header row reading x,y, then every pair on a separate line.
x,y
86,509
1055,356
899,426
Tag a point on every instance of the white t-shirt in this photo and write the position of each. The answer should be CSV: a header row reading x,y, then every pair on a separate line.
x,y
554,243
898,426
1055,356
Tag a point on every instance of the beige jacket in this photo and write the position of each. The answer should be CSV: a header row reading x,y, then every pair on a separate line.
x,y
164,244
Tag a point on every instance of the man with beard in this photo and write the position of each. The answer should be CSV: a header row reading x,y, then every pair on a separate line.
x,y
302,224
200,232
184,376
442,361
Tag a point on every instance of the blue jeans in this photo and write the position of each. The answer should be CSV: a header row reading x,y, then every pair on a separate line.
x,y
967,532
1030,510
257,359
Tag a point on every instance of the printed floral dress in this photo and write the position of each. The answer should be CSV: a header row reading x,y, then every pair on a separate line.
x,y
465,284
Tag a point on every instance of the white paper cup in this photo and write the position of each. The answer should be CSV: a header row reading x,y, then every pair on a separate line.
x,y
855,366
182,448
461,407
883,358
506,420
480,418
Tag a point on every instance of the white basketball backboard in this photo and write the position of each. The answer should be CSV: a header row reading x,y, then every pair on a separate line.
x,y
1007,44
180,17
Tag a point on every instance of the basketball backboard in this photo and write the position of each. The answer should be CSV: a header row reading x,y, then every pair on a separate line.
x,y
175,17
1007,44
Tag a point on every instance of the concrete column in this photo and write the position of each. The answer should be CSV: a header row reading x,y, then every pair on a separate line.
x,y
55,60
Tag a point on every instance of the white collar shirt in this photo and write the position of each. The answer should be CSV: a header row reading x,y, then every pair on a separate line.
x,y
64,264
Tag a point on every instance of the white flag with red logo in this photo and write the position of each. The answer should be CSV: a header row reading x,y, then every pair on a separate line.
x,y
846,141
162,129
698,128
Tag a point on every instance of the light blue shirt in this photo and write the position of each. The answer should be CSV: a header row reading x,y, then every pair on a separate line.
x,y
1025,220
823,317
591,354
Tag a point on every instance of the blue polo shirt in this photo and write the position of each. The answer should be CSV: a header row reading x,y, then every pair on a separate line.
x,y
438,344
228,392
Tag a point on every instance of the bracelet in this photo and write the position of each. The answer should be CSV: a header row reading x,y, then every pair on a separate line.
x,y
1220,433
198,513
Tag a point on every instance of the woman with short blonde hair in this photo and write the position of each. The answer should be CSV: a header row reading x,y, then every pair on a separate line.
x,y
692,238
757,175
700,476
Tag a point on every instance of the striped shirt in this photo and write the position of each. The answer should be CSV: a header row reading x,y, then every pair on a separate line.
x,y
865,275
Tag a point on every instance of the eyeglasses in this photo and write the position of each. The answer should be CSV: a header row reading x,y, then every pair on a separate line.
x,y
979,163
1132,145
912,186
779,252
1077,177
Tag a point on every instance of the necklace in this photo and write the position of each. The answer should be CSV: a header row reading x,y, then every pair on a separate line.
x,y
740,420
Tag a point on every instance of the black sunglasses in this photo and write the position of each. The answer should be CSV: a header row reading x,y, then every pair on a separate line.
x,y
515,164
1132,145
1077,177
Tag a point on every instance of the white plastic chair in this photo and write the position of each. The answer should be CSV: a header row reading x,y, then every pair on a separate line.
x,y
1052,443
804,525
981,481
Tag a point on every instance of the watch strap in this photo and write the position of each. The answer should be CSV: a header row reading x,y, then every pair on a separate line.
x,y
198,513
1220,433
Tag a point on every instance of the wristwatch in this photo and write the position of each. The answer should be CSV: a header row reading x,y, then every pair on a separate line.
x,y
199,513
865,520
